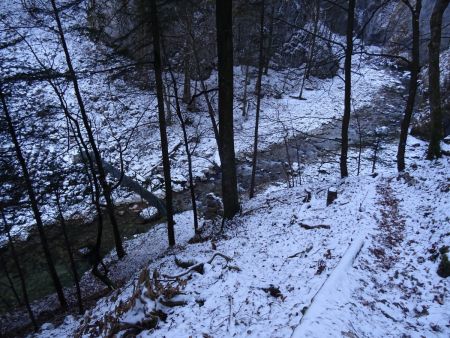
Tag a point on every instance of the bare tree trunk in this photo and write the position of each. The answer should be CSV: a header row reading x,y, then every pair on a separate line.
x,y
20,272
186,146
166,93
187,76
358,124
162,121
73,266
94,184
96,255
224,27
258,101
101,172
193,48
211,111
311,48
348,88
289,162
299,170
33,202
314,39
244,99
414,74
376,148
270,40
434,148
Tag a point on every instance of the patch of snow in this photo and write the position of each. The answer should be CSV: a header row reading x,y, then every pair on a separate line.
x,y
149,213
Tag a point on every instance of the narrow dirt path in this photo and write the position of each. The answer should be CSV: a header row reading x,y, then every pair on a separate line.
x,y
394,288
391,227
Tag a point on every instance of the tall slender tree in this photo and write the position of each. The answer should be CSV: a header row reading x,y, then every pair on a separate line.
x,y
269,39
224,27
33,201
434,47
73,266
204,88
87,126
348,87
93,183
89,165
414,67
187,74
186,144
162,120
258,100
309,64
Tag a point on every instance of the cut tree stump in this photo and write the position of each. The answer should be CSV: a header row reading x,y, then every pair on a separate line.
x,y
307,198
331,195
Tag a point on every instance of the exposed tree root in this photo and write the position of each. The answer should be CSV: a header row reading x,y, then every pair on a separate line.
x,y
199,267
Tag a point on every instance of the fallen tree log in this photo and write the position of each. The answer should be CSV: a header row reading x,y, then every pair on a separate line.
x,y
173,303
310,227
134,186
327,291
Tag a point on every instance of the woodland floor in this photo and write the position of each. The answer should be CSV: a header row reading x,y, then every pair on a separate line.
x,y
366,268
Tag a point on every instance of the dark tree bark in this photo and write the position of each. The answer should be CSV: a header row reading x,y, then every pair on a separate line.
x,y
96,256
376,148
86,123
33,201
269,40
193,48
168,103
186,147
434,148
414,74
187,76
20,272
162,121
348,87
224,27
73,266
204,89
360,145
94,184
258,100
312,47
244,96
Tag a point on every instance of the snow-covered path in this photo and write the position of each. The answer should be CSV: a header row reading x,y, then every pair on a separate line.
x,y
393,289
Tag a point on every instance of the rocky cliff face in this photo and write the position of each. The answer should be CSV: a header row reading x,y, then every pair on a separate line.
x,y
391,26
124,24
421,124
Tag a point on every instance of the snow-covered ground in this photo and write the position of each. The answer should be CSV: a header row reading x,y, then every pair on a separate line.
x,y
367,268
324,101
362,270
124,116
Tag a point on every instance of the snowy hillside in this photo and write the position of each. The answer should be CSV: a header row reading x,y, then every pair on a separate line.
x,y
365,266
316,252
124,117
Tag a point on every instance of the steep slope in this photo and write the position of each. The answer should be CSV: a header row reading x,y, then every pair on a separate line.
x,y
363,266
